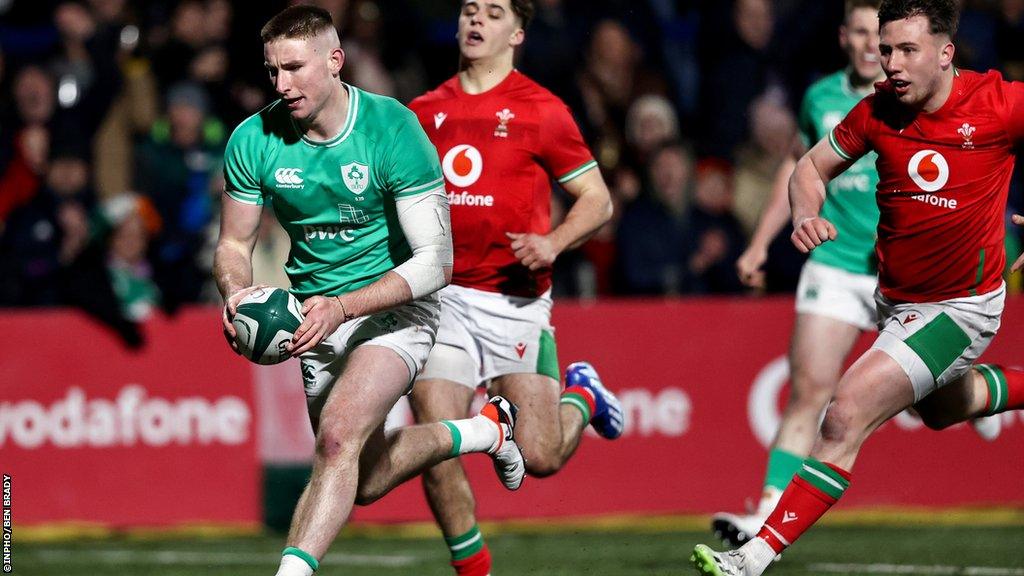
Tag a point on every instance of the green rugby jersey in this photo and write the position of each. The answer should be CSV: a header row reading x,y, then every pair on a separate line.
x,y
336,199
850,204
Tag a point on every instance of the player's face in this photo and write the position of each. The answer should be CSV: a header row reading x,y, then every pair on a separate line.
x,y
488,28
859,38
914,59
304,73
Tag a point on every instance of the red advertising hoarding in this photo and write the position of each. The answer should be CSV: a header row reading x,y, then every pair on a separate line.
x,y
176,433
91,432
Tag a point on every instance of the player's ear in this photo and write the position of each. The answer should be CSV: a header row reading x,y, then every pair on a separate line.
x,y
336,61
517,37
946,53
843,38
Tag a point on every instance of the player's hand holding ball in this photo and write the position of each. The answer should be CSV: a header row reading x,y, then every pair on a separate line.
x,y
811,232
323,315
264,321
228,313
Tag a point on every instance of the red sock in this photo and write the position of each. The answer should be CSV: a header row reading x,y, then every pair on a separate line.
x,y
1005,387
478,564
814,489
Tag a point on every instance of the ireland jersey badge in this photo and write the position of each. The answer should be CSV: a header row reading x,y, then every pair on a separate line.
x,y
356,176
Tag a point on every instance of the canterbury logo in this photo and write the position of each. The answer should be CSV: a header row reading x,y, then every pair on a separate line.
x,y
789,517
929,170
288,176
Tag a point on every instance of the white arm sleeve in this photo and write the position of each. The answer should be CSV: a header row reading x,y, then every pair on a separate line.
x,y
426,223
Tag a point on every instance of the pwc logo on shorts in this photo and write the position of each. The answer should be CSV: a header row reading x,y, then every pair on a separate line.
x,y
929,170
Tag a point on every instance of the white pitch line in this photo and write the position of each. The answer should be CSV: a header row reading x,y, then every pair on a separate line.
x,y
911,569
181,557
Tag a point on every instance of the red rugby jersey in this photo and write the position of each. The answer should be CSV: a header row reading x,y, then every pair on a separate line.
x,y
943,182
499,151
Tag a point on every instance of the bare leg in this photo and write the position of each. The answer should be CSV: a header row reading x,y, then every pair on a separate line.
x,y
373,380
871,392
963,399
817,352
548,432
445,485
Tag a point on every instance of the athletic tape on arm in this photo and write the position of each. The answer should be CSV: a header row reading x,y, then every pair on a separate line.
x,y
426,223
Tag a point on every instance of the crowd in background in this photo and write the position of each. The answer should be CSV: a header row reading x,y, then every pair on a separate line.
x,y
114,115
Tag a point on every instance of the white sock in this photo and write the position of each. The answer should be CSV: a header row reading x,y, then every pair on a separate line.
x,y
769,500
759,554
293,566
476,434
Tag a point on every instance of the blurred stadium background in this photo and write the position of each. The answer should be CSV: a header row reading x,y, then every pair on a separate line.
x,y
137,443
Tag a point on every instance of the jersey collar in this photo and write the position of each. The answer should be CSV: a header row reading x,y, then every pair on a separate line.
x,y
346,128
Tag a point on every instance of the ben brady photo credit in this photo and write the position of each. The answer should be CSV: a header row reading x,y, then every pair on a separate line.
x,y
8,532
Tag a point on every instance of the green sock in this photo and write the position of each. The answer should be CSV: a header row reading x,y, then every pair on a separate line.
x,y
302,555
465,545
782,466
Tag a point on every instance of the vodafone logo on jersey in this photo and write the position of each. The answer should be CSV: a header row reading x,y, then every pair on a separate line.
x,y
462,165
929,170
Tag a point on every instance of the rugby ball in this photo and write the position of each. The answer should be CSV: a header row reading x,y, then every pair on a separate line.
x,y
264,322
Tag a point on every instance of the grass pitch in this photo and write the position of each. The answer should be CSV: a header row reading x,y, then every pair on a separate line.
x,y
918,549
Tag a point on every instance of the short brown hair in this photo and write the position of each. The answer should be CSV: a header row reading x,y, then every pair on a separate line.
x,y
524,10
301,22
943,15
852,5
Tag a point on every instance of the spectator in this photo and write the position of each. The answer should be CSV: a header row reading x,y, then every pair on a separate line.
x,y
611,79
133,222
651,122
715,238
173,59
652,234
772,130
177,166
47,233
27,139
736,70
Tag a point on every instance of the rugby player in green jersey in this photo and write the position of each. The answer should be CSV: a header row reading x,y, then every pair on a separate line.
x,y
357,186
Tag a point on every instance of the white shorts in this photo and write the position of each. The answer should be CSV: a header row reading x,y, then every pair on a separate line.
x,y
409,330
937,342
835,293
486,334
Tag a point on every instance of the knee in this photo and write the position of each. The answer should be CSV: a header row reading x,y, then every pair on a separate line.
x,y
838,424
365,496
810,391
334,444
541,464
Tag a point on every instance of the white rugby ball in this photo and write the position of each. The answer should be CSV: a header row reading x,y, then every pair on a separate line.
x,y
264,322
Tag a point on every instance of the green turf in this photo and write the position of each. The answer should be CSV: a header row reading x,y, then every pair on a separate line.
x,y
999,551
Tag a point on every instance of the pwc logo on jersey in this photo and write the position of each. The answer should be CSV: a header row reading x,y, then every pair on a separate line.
x,y
929,170
288,178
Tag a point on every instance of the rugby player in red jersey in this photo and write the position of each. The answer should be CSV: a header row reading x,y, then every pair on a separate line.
x,y
502,139
945,140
